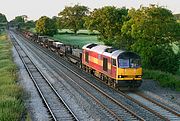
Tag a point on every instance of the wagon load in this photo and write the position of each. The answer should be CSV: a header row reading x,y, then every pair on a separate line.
x,y
42,40
57,44
76,52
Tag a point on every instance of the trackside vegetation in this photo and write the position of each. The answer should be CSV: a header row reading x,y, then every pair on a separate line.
x,y
165,79
11,104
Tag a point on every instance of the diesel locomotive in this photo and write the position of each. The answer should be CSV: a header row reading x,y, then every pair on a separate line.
x,y
117,68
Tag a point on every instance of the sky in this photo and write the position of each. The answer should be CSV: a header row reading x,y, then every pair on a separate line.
x,y
34,9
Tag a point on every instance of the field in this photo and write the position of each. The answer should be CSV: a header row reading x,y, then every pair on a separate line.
x,y
76,39
11,105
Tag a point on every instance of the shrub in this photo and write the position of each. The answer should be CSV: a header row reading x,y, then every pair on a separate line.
x,y
165,79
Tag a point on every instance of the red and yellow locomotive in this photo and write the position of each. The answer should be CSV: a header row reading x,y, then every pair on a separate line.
x,y
115,67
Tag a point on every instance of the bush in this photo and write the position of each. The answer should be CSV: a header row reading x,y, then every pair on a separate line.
x,y
165,79
165,59
157,57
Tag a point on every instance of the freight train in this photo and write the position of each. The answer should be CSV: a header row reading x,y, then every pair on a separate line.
x,y
117,68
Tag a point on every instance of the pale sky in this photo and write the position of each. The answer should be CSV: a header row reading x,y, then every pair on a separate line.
x,y
34,9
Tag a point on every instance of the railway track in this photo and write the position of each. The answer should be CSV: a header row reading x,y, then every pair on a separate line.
x,y
163,110
147,107
56,106
112,106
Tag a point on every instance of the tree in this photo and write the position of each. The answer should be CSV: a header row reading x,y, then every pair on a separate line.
x,y
2,18
3,22
72,17
108,21
19,21
55,19
46,26
29,24
151,31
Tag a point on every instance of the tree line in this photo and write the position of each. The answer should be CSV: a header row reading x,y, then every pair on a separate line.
x,y
149,31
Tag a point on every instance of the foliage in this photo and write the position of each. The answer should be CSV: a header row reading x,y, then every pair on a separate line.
x,y
46,26
164,79
72,17
3,22
2,18
108,21
29,24
19,21
55,19
11,105
150,31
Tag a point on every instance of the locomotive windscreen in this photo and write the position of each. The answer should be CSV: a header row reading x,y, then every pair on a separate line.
x,y
129,60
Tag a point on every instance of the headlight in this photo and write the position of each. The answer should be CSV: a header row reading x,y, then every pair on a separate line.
x,y
120,76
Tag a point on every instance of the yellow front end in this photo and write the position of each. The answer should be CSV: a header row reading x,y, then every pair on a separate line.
x,y
129,74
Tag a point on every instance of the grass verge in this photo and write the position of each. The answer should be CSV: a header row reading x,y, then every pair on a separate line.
x,y
11,104
164,79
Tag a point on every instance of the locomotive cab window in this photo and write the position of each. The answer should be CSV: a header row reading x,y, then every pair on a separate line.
x,y
87,57
135,63
114,62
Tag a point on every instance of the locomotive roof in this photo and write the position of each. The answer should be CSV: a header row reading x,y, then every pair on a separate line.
x,y
116,53
103,49
95,48
99,48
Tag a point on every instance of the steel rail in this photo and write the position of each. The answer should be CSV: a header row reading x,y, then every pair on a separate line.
x,y
159,104
109,97
41,94
130,98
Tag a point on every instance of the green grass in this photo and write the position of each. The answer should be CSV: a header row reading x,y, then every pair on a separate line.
x,y
164,79
76,39
11,105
